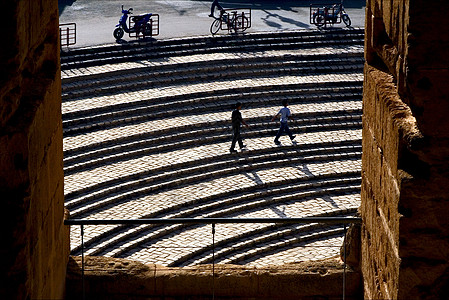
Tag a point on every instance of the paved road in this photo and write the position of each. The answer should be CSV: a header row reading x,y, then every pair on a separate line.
x,y
96,19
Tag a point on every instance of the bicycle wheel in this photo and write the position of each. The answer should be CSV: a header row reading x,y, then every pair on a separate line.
x,y
215,26
346,19
319,20
241,24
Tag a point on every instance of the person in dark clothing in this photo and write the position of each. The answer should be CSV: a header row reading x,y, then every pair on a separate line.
x,y
212,8
237,120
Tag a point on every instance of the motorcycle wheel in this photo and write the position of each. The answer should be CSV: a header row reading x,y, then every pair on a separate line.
x,y
215,27
118,33
346,20
319,20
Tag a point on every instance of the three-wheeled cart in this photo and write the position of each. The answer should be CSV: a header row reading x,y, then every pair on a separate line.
x,y
322,15
232,20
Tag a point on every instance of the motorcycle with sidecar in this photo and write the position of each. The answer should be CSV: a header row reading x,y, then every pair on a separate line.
x,y
328,14
138,25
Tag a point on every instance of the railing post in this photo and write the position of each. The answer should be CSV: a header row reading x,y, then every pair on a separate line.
x,y
344,261
68,36
213,260
82,261
205,221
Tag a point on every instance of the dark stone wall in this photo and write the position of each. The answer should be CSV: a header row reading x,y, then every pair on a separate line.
x,y
35,243
114,278
405,182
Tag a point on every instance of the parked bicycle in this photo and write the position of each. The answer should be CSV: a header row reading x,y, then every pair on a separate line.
x,y
236,20
329,14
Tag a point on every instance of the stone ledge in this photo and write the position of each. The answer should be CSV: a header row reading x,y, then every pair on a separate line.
x,y
114,278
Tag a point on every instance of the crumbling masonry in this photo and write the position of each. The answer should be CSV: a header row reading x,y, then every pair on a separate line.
x,y
405,175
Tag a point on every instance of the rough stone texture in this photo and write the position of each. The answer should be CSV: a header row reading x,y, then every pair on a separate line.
x,y
112,278
350,251
405,185
35,243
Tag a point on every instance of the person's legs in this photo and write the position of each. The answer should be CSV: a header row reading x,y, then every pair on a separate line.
x,y
212,8
287,130
239,139
236,137
281,130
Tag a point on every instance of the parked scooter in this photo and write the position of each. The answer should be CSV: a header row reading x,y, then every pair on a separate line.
x,y
330,15
140,24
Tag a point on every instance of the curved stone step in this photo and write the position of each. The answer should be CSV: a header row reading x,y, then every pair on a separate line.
x,y
250,194
120,115
137,75
130,97
71,77
206,152
210,63
294,190
114,137
177,47
219,71
145,186
253,240
110,186
251,95
181,139
287,243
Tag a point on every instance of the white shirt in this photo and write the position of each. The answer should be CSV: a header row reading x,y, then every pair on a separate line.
x,y
285,113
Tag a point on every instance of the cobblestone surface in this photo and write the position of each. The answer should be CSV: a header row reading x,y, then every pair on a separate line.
x,y
171,247
212,57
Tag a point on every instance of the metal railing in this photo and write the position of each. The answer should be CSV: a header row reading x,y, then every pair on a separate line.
x,y
344,221
67,34
237,19
153,23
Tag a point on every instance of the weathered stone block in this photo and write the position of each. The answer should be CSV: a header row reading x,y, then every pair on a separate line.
x,y
31,175
110,278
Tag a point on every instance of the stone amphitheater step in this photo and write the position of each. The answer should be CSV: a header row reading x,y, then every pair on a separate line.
x,y
305,197
209,63
124,158
207,71
278,245
263,94
183,138
142,183
123,131
80,58
231,203
265,239
323,148
194,104
245,245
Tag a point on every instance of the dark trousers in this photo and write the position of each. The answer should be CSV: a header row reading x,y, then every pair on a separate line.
x,y
284,128
236,137
212,8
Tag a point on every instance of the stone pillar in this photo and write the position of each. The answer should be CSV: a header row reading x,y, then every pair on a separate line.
x,y
405,169
35,243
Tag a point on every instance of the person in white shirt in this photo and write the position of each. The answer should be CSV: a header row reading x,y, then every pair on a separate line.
x,y
285,114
